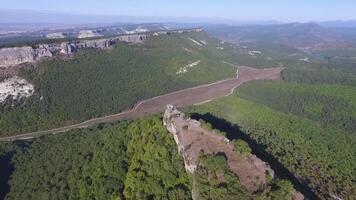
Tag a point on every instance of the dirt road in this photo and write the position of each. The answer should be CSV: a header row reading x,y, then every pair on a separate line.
x,y
181,98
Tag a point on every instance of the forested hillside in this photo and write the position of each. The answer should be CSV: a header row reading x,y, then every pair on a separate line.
x,y
111,162
306,121
333,106
126,160
96,83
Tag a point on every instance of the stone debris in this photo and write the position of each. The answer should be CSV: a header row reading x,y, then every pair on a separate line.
x,y
88,34
254,53
195,42
306,59
204,42
137,30
187,50
55,35
16,88
184,69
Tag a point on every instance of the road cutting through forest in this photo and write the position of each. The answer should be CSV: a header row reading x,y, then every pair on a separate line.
x,y
181,98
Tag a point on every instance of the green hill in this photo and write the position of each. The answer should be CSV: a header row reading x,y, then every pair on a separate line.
x,y
309,128
125,160
96,83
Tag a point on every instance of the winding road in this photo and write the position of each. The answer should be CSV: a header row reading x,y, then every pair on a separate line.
x,y
181,98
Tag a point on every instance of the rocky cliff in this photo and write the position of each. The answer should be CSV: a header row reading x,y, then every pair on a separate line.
x,y
18,55
193,140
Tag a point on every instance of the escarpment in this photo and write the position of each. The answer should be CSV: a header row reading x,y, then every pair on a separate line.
x,y
193,141
17,55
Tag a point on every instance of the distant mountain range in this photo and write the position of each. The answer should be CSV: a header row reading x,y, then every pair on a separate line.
x,y
300,35
50,17
345,24
19,25
59,18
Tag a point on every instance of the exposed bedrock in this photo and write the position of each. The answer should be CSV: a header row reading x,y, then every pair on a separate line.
x,y
192,140
17,55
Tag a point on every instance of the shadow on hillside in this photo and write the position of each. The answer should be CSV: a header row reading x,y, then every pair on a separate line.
x,y
233,132
6,169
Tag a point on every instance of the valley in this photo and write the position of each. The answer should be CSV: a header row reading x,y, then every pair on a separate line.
x,y
97,83
81,118
180,98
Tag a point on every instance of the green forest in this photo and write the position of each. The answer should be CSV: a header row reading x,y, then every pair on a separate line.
x,y
97,83
214,180
307,121
330,105
125,160
300,127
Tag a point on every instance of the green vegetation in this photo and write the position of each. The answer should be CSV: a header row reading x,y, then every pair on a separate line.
x,y
96,83
307,121
83,164
320,73
242,147
269,54
33,41
324,158
214,180
330,105
208,126
332,66
127,160
156,169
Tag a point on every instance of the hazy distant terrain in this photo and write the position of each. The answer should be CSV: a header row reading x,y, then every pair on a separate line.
x,y
25,34
307,36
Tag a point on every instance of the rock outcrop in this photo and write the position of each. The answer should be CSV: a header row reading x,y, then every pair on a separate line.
x,y
88,34
193,140
15,88
18,55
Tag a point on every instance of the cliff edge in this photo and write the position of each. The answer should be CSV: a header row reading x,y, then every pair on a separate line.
x,y
26,54
193,141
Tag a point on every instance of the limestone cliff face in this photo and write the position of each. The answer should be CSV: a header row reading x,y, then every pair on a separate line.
x,y
18,55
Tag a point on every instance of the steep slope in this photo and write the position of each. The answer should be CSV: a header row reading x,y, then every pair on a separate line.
x,y
96,83
288,122
126,160
29,34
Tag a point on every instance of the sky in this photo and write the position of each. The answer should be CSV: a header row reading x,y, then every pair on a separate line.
x,y
252,10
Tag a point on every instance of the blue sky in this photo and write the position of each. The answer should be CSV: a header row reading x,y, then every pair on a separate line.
x,y
282,10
